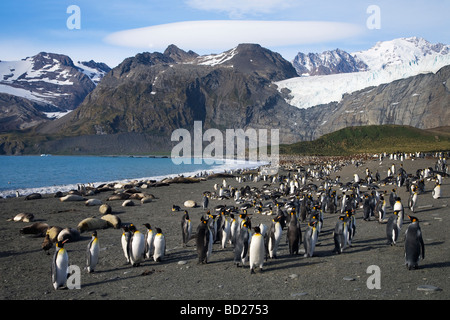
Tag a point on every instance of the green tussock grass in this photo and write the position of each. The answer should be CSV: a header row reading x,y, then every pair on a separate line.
x,y
373,139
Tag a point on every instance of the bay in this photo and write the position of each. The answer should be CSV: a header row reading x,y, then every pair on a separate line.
x,y
48,174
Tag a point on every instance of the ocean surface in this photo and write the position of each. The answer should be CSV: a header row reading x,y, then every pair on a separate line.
x,y
48,174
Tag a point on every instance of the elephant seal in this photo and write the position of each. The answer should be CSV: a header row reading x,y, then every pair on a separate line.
x,y
69,235
113,220
90,224
190,204
33,196
37,228
72,197
93,202
53,233
24,217
128,203
105,209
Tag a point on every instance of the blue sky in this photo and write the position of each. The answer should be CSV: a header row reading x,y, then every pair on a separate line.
x,y
112,30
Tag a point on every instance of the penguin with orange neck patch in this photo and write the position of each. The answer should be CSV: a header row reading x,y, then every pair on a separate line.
x,y
414,245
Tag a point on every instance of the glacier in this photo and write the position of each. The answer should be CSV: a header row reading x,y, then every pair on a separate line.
x,y
388,61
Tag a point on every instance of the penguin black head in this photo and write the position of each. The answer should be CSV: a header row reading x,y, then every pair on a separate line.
x,y
158,230
147,225
257,229
396,212
132,228
413,219
60,244
94,234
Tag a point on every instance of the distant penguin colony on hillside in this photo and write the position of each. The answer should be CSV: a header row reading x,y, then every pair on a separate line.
x,y
305,204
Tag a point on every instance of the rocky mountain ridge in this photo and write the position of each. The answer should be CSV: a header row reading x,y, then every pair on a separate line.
x,y
138,104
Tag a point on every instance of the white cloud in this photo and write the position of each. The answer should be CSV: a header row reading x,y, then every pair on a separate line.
x,y
224,34
239,8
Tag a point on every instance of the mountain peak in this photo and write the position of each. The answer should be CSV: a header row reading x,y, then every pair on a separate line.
x,y
327,62
179,55
400,51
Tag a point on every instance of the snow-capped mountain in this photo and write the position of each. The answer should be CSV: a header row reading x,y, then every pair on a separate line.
x,y
328,62
386,62
94,70
50,78
397,52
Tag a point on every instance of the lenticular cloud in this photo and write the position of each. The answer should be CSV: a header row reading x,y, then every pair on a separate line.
x,y
224,34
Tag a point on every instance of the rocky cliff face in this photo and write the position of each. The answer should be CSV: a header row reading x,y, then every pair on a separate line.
x,y
421,101
156,93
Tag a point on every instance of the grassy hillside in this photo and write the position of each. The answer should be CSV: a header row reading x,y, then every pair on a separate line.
x,y
373,139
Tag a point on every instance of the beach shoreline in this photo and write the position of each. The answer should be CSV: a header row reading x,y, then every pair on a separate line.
x,y
25,268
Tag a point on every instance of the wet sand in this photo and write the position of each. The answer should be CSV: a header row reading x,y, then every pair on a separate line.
x,y
25,267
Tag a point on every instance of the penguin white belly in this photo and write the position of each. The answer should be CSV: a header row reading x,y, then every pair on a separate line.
x,y
160,247
313,241
437,192
273,244
226,231
346,235
125,247
61,266
137,248
93,254
210,245
149,247
257,251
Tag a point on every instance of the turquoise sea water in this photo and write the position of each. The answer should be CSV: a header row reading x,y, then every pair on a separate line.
x,y
48,174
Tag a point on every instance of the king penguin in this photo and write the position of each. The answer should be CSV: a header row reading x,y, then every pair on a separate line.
x,y
226,232
149,238
203,238
274,237
160,246
136,246
351,226
340,235
392,229
294,234
186,228
242,244
392,198
310,239
125,240
60,266
257,251
414,246
436,193
92,251
398,206
413,200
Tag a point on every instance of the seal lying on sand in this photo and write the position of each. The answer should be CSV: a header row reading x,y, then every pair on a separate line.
x,y
112,220
37,228
90,224
24,217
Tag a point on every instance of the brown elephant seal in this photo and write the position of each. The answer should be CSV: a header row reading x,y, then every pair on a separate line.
x,y
33,196
105,209
53,233
37,228
72,197
113,220
128,203
69,234
90,224
93,202
23,217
